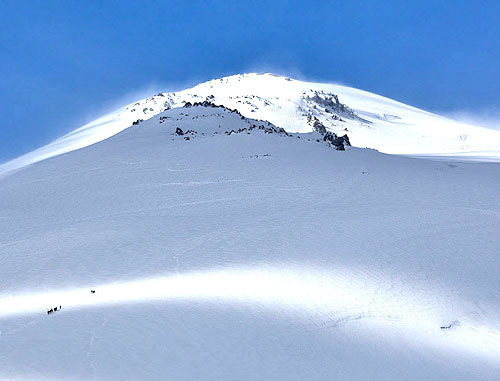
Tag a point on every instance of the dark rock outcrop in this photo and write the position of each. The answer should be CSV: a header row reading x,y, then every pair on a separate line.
x,y
339,142
318,126
346,140
331,104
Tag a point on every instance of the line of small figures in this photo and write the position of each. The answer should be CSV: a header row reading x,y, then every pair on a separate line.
x,y
55,309
52,310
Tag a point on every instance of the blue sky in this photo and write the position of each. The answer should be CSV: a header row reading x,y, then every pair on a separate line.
x,y
65,63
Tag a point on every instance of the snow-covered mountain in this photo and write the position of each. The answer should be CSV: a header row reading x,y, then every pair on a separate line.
x,y
221,246
369,120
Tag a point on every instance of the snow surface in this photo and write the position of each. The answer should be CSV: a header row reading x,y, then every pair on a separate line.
x,y
248,255
378,122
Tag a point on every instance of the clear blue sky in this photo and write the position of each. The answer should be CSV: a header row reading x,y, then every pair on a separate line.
x,y
63,63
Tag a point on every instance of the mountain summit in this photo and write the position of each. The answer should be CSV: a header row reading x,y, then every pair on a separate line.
x,y
368,119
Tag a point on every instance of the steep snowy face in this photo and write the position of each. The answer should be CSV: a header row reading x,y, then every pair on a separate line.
x,y
369,120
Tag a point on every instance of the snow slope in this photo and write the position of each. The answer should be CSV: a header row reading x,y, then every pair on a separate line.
x,y
250,255
370,120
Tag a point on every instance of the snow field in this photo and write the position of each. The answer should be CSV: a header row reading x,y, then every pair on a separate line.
x,y
247,256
